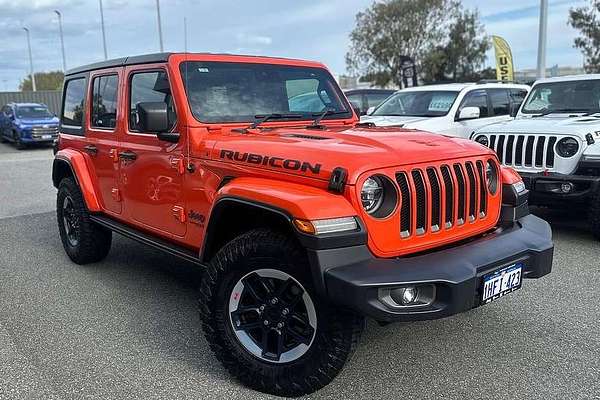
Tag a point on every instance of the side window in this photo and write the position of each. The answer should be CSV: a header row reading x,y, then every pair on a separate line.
x,y
74,97
375,99
356,99
517,97
152,86
104,101
500,101
476,98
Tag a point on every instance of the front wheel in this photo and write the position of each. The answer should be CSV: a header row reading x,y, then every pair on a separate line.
x,y
18,142
264,321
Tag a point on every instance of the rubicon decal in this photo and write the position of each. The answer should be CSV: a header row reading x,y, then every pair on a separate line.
x,y
275,162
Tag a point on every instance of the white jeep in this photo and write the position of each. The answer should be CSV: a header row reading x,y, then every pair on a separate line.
x,y
554,143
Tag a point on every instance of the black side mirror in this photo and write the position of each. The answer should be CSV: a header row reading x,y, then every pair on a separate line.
x,y
514,109
154,117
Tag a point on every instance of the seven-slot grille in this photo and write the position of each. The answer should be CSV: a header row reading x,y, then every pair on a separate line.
x,y
447,196
523,150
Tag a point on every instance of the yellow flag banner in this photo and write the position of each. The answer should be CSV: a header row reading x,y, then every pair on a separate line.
x,y
504,61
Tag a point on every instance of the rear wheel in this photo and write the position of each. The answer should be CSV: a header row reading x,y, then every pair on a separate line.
x,y
595,214
84,241
264,321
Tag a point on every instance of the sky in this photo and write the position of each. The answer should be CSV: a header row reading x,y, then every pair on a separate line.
x,y
308,29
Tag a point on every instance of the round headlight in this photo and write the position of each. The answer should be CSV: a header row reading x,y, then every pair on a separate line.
x,y
567,147
371,194
482,140
491,177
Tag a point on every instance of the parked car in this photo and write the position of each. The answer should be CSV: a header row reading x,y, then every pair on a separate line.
x,y
554,143
456,109
27,123
366,99
305,221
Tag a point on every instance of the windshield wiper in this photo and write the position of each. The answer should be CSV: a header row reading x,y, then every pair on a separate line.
x,y
260,119
561,111
316,124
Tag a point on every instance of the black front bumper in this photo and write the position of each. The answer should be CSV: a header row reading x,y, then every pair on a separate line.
x,y
353,277
543,188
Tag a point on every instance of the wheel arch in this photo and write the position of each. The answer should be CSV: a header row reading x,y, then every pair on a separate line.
x,y
72,164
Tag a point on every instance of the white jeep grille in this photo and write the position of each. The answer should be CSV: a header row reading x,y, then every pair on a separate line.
x,y
524,151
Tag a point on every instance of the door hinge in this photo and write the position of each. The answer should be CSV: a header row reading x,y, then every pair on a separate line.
x,y
179,213
114,154
178,164
116,194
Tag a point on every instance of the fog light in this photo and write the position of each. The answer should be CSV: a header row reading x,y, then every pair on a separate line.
x,y
399,297
405,296
566,187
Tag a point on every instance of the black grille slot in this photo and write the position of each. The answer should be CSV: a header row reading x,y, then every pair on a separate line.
x,y
449,189
539,151
405,208
436,200
482,189
460,182
421,205
529,151
500,150
492,142
550,152
472,191
519,151
510,141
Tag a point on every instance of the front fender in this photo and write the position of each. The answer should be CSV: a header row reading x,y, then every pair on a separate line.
x,y
295,200
78,165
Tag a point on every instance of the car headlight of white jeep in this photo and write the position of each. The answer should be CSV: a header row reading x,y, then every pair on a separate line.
x,y
567,147
482,140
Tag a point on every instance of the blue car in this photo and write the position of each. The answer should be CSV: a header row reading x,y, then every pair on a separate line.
x,y
27,123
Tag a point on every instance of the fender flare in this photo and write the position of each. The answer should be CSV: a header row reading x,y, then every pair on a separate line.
x,y
77,164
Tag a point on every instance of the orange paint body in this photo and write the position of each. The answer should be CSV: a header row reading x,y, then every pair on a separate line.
x,y
277,167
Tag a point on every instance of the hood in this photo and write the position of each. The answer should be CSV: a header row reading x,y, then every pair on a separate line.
x,y
390,120
560,124
316,153
38,121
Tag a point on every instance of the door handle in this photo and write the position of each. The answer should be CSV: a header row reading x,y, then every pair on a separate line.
x,y
91,149
128,155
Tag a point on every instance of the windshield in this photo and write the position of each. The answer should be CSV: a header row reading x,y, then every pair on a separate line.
x,y
243,92
418,104
570,96
33,112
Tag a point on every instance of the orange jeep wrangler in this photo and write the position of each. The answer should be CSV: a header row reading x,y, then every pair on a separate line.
x,y
305,221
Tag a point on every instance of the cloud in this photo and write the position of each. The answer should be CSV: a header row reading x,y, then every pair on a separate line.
x,y
254,39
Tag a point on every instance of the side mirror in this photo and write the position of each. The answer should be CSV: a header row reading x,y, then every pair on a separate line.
x,y
468,113
514,109
356,108
154,117
370,110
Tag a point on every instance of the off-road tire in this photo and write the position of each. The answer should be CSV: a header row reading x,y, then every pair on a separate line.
x,y
18,143
595,214
337,334
94,241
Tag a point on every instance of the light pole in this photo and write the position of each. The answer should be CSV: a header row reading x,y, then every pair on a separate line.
x,y
160,39
103,32
541,58
185,34
62,39
30,60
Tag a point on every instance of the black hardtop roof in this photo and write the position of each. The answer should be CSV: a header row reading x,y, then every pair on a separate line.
x,y
120,62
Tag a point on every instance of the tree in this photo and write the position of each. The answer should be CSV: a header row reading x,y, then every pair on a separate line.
x,y
585,20
52,80
394,28
447,42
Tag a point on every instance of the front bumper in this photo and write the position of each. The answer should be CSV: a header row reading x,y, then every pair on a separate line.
x,y
353,277
545,189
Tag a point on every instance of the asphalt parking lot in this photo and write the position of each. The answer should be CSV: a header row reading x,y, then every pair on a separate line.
x,y
128,328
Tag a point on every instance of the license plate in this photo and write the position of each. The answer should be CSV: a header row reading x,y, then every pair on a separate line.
x,y
501,282
46,136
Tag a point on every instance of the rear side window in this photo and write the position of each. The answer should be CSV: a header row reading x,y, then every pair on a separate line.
x,y
72,115
500,101
152,86
375,99
104,101
476,98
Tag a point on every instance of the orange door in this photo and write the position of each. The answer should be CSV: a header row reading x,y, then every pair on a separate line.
x,y
151,170
104,127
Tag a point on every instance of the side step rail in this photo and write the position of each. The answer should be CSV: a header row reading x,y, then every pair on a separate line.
x,y
147,239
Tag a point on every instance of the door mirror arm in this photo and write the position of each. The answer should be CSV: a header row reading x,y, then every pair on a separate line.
x,y
171,137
